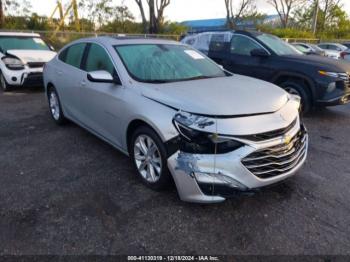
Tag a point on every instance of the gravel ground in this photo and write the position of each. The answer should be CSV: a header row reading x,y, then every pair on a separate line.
x,y
64,191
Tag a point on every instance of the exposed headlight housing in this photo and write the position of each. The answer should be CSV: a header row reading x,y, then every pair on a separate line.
x,y
13,63
201,142
296,99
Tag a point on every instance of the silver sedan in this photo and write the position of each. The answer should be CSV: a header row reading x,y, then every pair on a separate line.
x,y
178,115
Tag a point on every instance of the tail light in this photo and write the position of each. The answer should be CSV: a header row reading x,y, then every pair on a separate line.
x,y
343,54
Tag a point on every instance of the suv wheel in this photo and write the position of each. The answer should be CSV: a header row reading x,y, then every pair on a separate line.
x,y
150,159
55,107
4,85
296,88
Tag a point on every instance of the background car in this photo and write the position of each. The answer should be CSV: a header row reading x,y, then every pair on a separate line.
x,y
309,49
336,50
22,58
170,108
317,80
347,44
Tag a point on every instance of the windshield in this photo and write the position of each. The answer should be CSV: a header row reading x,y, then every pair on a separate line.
x,y
159,63
315,47
22,43
301,48
279,46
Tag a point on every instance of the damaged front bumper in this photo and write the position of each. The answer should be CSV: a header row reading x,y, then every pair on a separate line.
x,y
27,77
211,178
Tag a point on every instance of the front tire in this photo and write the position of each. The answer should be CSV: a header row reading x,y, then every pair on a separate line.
x,y
55,107
3,83
299,89
149,157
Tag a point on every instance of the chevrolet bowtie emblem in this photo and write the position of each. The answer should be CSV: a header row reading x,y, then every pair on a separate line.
x,y
287,139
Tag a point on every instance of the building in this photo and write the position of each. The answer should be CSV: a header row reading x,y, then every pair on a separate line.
x,y
220,24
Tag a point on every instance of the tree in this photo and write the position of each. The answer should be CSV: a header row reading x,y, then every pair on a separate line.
x,y
143,16
13,7
156,14
245,8
284,9
2,16
97,11
328,11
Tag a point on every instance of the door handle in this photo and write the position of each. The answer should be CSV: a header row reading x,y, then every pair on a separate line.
x,y
59,72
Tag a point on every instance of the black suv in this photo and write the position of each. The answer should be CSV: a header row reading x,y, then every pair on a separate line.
x,y
317,80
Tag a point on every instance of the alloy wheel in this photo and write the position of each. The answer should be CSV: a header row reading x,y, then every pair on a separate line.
x,y
147,158
54,106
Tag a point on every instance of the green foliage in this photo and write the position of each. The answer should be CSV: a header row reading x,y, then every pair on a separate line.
x,y
171,28
287,32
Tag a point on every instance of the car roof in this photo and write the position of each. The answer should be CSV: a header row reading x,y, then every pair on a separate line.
x,y
329,43
20,34
110,40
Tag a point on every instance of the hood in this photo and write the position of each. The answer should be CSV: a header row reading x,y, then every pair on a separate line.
x,y
321,62
224,96
30,56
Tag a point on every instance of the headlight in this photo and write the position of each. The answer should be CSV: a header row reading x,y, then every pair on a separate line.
x,y
331,74
201,142
13,63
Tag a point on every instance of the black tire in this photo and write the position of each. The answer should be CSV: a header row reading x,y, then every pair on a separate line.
x,y
59,118
300,89
3,83
164,179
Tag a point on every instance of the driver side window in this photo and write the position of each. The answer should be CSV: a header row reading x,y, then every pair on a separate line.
x,y
242,45
98,59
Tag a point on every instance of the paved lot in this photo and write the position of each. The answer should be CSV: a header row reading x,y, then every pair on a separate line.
x,y
63,191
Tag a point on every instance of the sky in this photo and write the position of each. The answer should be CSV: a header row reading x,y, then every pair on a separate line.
x,y
178,10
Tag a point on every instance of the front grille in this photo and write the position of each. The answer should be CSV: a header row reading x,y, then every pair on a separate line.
x,y
269,135
277,160
36,64
346,78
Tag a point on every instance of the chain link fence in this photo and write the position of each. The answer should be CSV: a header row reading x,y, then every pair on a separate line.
x,y
61,38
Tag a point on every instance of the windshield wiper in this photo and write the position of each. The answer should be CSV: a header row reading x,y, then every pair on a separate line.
x,y
197,78
157,81
160,81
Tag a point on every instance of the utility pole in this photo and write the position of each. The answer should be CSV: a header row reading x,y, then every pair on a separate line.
x,y
314,22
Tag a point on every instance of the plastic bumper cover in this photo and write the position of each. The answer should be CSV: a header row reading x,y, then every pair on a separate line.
x,y
211,178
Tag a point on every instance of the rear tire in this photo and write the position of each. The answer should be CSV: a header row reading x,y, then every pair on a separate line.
x,y
55,107
4,85
298,88
149,157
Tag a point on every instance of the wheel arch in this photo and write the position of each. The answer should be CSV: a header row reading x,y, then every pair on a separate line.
x,y
135,124
288,76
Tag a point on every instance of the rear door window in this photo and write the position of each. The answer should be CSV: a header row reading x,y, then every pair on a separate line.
x,y
73,55
219,42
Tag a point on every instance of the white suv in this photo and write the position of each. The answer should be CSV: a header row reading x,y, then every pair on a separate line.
x,y
22,58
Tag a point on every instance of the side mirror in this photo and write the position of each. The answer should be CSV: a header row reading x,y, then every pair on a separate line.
x,y
259,52
51,48
103,77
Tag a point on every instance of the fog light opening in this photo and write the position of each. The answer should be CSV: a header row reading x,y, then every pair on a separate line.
x,y
331,87
218,179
